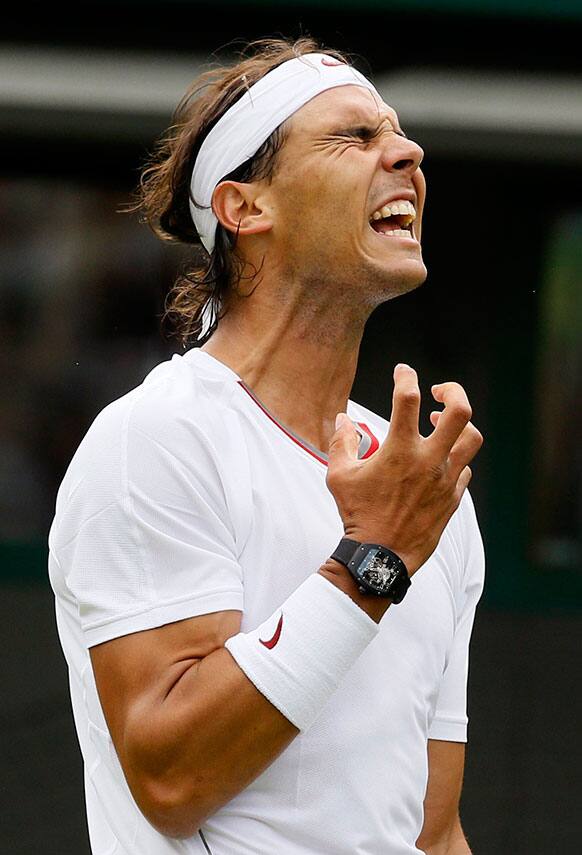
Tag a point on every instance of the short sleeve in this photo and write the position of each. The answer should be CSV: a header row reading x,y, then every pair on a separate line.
x,y
145,533
450,719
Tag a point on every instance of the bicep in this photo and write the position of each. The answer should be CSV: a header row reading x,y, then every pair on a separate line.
x,y
446,763
136,673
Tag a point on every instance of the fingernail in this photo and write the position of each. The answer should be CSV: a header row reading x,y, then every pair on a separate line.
x,y
339,420
401,365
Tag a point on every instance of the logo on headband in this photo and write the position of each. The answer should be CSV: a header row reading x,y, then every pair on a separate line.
x,y
325,61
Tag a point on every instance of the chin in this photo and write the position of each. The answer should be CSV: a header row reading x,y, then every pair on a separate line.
x,y
400,280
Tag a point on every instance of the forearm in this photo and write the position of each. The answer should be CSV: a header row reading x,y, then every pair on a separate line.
x,y
212,732
210,738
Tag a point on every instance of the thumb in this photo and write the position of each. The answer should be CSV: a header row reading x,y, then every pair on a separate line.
x,y
345,441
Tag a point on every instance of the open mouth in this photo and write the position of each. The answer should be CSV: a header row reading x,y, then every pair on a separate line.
x,y
394,219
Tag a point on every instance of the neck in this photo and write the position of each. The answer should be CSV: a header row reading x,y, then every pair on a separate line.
x,y
299,362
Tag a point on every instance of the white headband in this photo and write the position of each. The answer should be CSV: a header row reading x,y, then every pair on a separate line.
x,y
245,126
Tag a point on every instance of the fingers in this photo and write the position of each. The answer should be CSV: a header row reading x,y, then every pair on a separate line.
x,y
344,444
405,404
464,449
452,420
463,482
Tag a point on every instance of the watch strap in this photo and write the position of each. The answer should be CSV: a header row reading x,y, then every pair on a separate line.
x,y
344,551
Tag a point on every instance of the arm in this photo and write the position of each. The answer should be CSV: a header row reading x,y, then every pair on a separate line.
x,y
190,729
442,833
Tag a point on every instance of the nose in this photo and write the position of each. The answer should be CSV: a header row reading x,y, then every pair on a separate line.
x,y
401,154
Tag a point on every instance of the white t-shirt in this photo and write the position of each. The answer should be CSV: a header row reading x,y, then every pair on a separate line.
x,y
186,497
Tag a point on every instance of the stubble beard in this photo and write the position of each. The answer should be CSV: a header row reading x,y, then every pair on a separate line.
x,y
337,304
360,290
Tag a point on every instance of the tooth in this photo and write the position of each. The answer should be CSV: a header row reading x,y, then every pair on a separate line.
x,y
398,233
401,207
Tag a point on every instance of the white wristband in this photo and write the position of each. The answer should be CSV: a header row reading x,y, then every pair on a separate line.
x,y
300,655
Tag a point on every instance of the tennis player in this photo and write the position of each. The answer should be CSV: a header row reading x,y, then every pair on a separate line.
x,y
265,591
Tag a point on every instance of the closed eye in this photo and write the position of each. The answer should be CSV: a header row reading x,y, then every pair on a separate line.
x,y
366,133
362,132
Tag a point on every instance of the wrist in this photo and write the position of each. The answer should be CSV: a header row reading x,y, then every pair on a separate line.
x,y
340,576
301,653
410,559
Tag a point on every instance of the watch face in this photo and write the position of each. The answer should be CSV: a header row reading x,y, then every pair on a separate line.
x,y
378,569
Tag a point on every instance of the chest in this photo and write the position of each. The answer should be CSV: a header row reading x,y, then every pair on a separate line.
x,y
294,527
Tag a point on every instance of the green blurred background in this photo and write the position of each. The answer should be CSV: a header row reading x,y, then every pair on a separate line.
x,y
493,93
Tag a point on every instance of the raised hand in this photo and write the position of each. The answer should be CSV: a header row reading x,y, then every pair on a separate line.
x,y
404,495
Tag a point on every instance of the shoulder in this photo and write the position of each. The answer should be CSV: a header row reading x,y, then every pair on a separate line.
x,y
176,414
178,404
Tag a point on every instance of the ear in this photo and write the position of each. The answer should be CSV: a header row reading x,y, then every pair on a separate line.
x,y
238,206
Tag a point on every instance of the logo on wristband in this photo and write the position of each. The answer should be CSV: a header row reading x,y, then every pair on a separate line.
x,y
273,641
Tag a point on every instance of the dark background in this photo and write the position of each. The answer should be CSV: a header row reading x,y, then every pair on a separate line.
x,y
81,294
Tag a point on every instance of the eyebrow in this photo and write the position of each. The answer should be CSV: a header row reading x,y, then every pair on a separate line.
x,y
355,126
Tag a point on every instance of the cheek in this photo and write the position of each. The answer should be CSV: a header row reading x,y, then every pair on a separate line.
x,y
322,205
419,182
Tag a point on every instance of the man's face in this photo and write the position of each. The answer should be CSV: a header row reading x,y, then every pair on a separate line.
x,y
343,169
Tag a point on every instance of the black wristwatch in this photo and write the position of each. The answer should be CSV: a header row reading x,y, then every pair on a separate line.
x,y
376,569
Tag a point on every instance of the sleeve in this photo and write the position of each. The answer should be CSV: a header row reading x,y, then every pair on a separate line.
x,y
146,532
450,719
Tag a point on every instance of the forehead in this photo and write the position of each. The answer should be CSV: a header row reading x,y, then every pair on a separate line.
x,y
342,104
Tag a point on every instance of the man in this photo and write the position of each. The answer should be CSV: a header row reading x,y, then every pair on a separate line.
x,y
237,689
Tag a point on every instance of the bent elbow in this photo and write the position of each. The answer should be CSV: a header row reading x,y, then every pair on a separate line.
x,y
168,810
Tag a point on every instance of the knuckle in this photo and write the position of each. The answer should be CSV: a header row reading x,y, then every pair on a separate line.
x,y
409,396
339,475
402,459
463,410
477,436
333,477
